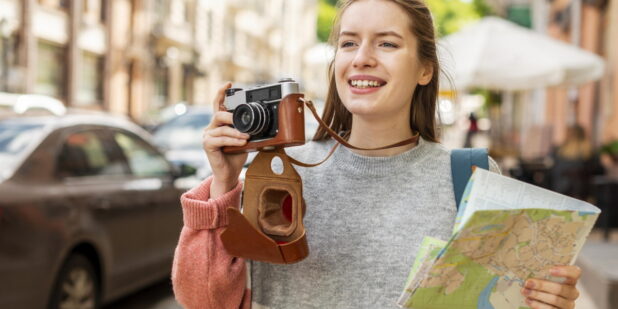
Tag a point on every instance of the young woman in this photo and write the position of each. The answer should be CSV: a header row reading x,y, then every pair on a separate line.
x,y
367,211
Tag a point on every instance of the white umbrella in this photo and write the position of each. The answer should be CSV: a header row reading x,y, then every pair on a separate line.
x,y
498,54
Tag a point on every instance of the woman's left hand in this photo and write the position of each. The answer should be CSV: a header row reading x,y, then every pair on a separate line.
x,y
543,294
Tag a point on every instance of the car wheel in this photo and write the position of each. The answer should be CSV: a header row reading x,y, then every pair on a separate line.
x,y
77,286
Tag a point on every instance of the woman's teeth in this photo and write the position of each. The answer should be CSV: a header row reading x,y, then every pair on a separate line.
x,y
365,83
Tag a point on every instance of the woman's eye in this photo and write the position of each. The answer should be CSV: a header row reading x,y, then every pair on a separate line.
x,y
347,44
389,44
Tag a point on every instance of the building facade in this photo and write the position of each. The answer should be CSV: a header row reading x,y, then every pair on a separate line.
x,y
591,25
256,41
136,57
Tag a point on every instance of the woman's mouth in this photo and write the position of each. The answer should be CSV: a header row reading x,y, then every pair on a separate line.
x,y
364,83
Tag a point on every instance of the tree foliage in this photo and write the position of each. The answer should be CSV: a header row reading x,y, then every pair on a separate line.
x,y
482,7
326,16
449,15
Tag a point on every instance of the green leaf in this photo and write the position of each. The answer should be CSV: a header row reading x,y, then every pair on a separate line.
x,y
326,17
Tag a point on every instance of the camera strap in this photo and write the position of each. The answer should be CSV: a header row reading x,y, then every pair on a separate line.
x,y
270,227
341,140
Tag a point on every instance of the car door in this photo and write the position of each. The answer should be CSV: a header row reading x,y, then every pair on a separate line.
x,y
98,181
153,173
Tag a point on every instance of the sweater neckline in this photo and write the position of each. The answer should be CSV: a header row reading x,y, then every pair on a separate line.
x,y
353,163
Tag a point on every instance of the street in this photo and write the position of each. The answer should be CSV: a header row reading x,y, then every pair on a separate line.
x,y
157,296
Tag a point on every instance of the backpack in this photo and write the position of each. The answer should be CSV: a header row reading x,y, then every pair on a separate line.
x,y
462,161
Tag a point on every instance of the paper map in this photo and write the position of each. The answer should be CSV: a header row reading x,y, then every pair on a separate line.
x,y
506,231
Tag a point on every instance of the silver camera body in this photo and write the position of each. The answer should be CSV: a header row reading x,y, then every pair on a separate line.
x,y
255,110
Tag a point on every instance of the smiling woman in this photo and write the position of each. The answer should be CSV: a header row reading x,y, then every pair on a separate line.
x,y
367,210
394,54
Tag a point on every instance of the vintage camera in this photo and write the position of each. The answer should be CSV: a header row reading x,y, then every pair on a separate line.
x,y
272,115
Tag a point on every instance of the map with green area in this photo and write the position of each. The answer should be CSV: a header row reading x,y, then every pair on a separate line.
x,y
493,251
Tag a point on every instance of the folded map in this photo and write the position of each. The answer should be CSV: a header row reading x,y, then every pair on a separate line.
x,y
506,231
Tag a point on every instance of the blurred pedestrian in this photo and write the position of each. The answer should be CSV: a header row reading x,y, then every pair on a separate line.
x,y
609,159
473,128
575,162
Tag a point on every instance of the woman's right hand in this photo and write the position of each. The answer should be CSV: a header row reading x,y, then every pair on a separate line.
x,y
225,167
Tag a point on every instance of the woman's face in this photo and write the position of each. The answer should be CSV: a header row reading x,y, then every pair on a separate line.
x,y
376,64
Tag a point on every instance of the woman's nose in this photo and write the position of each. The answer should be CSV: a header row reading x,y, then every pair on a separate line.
x,y
364,57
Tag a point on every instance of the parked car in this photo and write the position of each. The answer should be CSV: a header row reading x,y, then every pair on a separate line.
x,y
88,211
180,138
15,103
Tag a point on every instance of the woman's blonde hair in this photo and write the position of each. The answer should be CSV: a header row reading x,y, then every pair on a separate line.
x,y
576,146
423,107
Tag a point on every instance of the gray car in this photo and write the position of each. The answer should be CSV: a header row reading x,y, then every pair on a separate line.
x,y
180,138
88,211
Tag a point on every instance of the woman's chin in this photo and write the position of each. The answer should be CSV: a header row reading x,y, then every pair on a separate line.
x,y
360,108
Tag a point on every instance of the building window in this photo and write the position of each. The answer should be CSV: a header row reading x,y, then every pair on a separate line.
x,y
103,11
209,24
160,9
230,37
8,55
187,83
188,11
161,83
520,14
3,62
90,91
94,11
51,77
179,12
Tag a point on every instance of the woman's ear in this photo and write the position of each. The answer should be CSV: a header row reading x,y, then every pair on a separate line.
x,y
426,75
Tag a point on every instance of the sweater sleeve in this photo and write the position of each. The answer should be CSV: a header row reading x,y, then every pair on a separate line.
x,y
204,275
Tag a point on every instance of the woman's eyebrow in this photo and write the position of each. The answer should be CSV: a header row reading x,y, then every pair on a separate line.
x,y
389,33
379,34
348,33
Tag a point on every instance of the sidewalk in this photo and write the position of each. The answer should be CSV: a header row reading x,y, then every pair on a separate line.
x,y
585,300
595,260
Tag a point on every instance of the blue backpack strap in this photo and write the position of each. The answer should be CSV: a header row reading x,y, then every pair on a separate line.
x,y
462,161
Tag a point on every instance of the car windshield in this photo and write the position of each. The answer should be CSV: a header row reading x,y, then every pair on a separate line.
x,y
15,138
182,132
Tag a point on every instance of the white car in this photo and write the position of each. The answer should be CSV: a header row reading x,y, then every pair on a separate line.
x,y
14,103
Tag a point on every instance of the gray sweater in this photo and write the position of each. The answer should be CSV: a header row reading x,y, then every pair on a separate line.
x,y
365,219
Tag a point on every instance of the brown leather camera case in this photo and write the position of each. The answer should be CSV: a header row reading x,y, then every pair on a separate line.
x,y
262,232
291,127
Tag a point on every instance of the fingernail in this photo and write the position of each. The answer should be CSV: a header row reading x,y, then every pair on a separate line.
x,y
555,272
527,292
530,284
528,301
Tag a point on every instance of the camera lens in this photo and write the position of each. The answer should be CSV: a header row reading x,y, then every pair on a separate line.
x,y
250,118
245,118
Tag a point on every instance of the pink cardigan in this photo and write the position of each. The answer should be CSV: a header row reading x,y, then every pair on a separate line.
x,y
203,274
